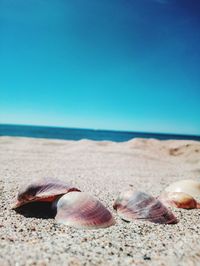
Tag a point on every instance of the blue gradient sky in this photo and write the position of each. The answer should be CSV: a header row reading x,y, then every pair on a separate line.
x,y
108,64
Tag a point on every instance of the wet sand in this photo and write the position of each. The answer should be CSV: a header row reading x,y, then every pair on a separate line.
x,y
102,169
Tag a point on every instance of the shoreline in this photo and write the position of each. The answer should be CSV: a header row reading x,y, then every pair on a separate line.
x,y
63,133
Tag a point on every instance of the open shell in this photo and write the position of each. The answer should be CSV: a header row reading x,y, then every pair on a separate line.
x,y
46,189
191,187
179,200
131,205
81,210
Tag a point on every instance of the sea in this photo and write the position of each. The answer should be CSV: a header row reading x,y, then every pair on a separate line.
x,y
79,133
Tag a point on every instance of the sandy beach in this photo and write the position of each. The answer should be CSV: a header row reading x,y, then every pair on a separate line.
x,y
103,169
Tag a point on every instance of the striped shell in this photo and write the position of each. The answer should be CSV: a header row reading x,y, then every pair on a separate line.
x,y
131,205
81,210
46,189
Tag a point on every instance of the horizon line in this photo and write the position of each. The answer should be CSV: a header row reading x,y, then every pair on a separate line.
x,y
97,129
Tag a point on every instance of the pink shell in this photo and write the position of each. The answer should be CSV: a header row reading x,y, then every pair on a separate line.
x,y
46,189
132,205
81,210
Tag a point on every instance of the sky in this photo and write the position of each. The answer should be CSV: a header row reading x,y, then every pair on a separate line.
x,y
103,64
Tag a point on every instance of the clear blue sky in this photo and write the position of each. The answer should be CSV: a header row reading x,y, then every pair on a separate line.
x,y
107,64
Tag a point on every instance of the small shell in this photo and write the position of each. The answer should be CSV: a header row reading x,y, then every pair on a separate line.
x,y
132,205
46,189
178,200
191,187
80,210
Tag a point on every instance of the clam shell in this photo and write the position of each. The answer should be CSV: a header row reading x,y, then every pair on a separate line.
x,y
46,189
191,187
131,205
81,210
179,200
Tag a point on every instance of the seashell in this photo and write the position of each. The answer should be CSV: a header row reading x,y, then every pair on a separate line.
x,y
132,205
46,190
191,187
80,210
179,200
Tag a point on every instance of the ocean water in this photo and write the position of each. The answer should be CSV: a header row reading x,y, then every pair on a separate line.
x,y
78,134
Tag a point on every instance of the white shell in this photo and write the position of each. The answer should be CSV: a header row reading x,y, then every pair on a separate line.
x,y
179,200
191,187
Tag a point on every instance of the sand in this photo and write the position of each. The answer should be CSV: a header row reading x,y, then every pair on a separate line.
x,y
102,169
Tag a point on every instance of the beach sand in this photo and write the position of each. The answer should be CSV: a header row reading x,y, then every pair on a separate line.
x,y
102,169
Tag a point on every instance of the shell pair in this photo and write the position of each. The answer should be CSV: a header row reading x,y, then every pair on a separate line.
x,y
73,207
182,194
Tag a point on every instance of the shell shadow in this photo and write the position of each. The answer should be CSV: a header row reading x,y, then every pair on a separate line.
x,y
42,210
